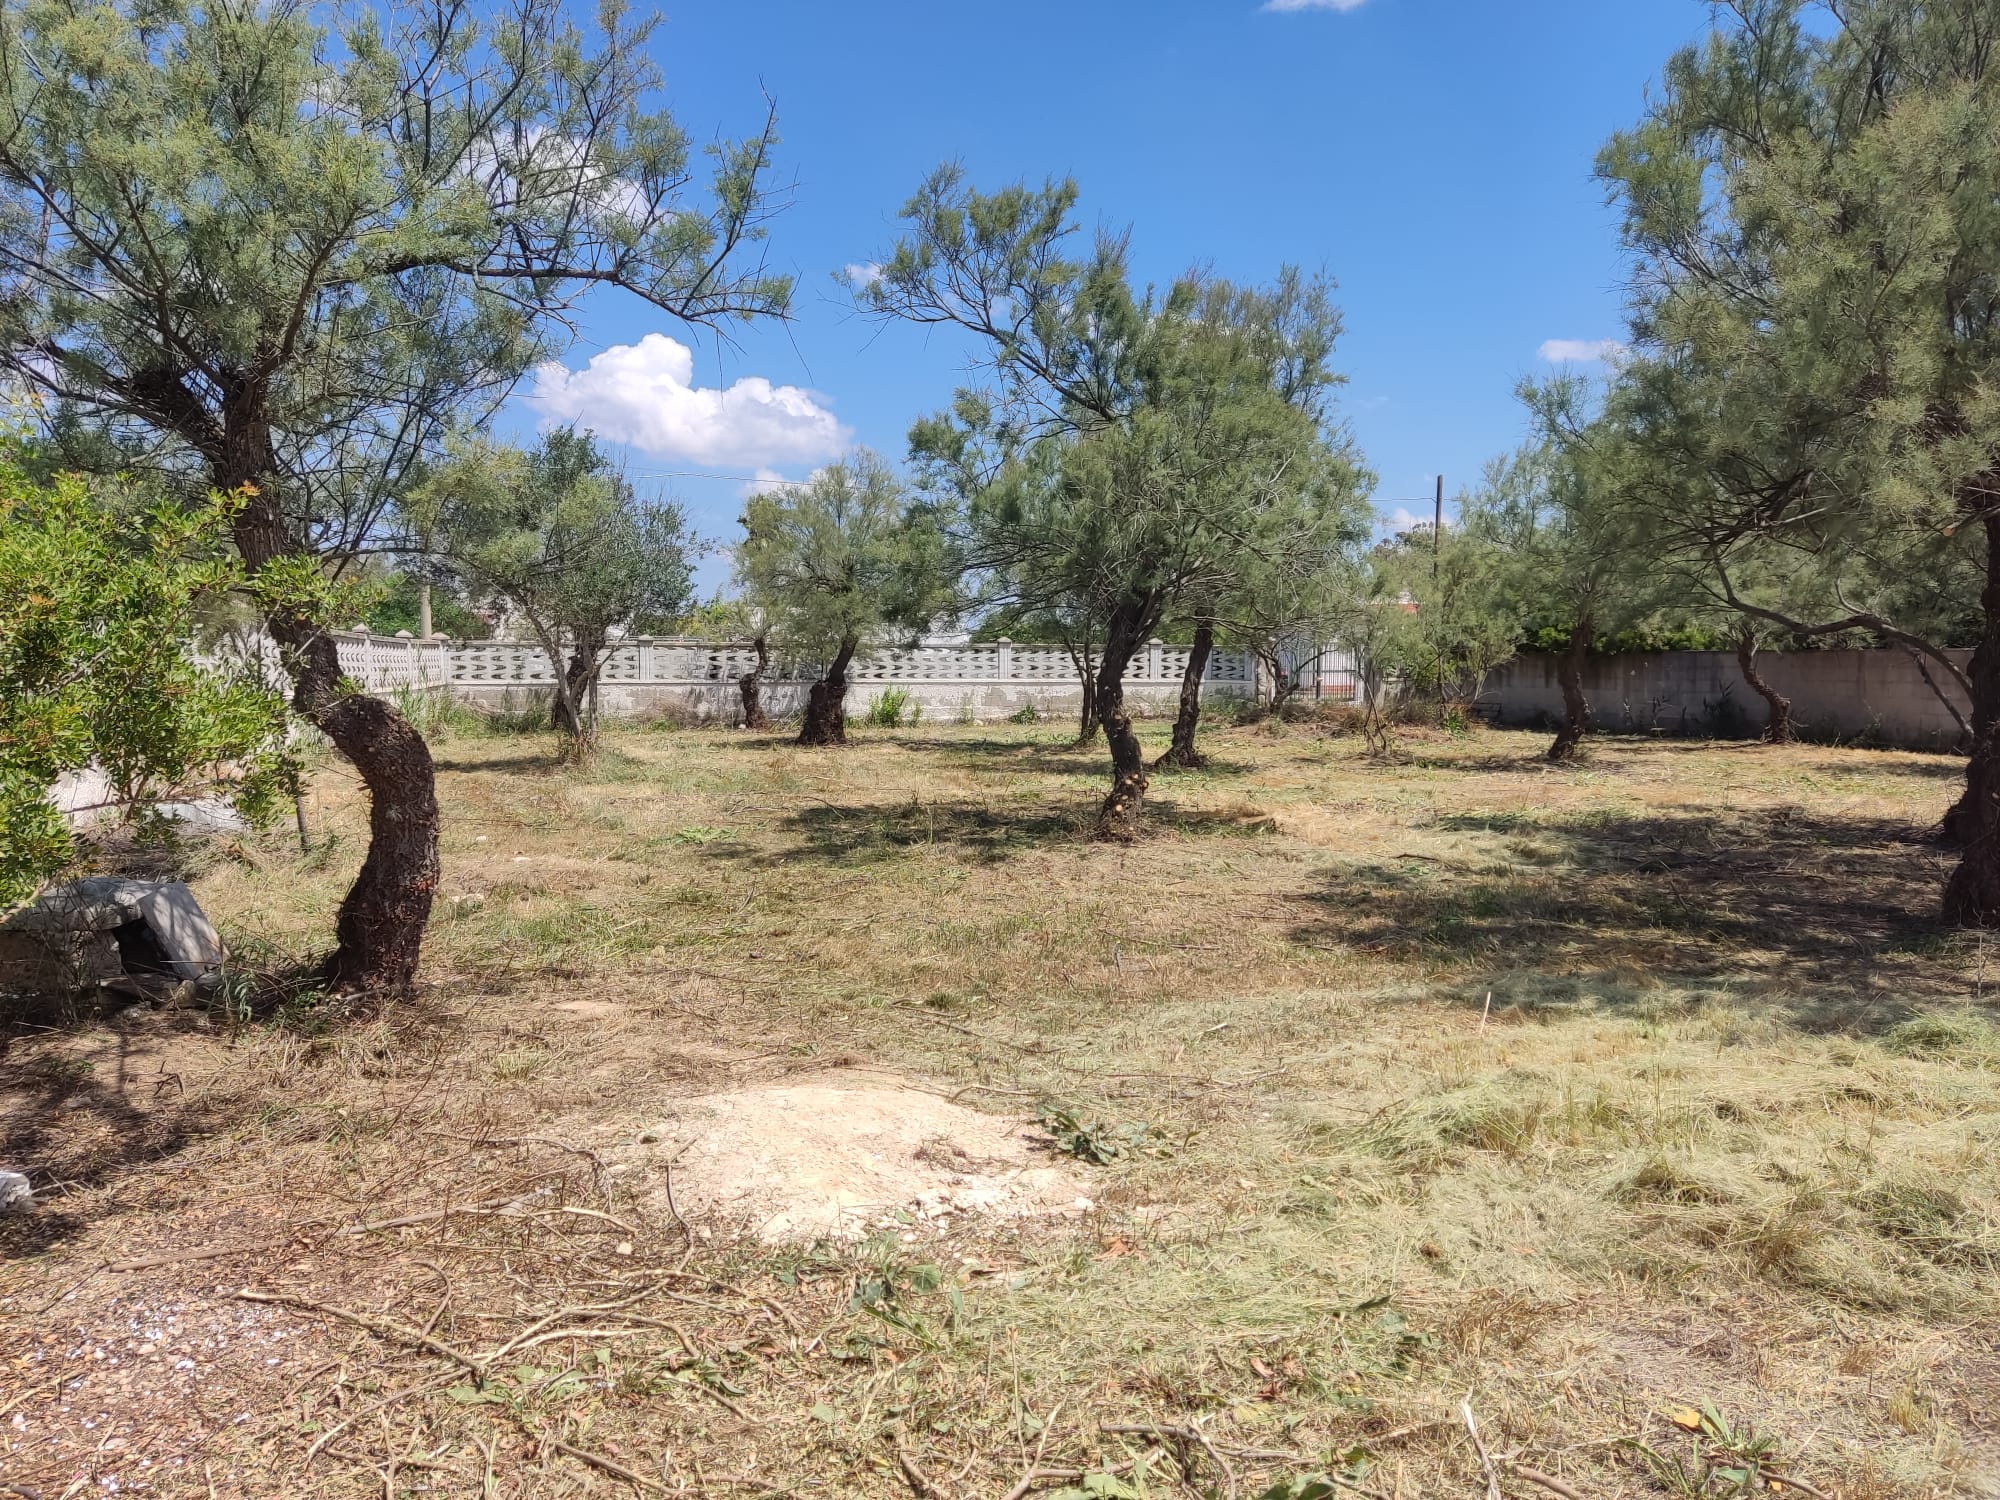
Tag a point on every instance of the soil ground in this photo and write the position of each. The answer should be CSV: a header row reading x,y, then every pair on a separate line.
x,y
1644,1107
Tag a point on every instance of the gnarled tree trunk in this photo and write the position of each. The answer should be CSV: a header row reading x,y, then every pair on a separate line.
x,y
750,686
1087,672
568,713
379,932
1283,683
1182,754
1124,806
1972,898
1779,731
826,705
1576,707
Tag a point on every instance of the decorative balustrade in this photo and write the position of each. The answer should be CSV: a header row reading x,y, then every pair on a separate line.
x,y
665,660
993,679
386,663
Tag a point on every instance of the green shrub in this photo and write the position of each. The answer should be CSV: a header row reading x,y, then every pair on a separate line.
x,y
893,707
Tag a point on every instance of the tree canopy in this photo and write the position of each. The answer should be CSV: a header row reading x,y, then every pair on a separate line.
x,y
842,561
1816,313
558,533
1133,452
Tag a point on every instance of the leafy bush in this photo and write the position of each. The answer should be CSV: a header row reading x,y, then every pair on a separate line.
x,y
1027,713
894,707
98,615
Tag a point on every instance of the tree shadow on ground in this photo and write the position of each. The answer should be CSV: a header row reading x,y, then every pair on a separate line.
x,y
1015,757
543,764
986,833
1836,916
68,1122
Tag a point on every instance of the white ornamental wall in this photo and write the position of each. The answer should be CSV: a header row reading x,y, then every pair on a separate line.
x,y
975,682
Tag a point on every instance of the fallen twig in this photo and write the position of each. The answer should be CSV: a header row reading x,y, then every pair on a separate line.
x,y
1179,1434
1546,1481
1398,1434
245,1247
381,1327
918,1481
608,1465
1796,1484
1039,1476
392,1399
1479,1443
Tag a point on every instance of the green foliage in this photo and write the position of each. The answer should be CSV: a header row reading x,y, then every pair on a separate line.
x,y
1809,200
1135,453
894,707
98,620
844,561
1097,1141
560,535
721,619
1723,1461
1436,610
347,226
1027,713
394,604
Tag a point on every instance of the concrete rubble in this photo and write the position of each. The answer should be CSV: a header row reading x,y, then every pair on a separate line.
x,y
144,939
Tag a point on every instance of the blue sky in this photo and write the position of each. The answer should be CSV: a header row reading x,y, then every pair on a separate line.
x,y
1434,155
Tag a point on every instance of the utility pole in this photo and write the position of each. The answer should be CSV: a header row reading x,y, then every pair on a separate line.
x,y
1437,530
424,610
1437,554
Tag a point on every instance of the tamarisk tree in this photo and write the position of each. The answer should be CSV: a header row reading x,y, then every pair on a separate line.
x,y
281,262
1817,315
1127,444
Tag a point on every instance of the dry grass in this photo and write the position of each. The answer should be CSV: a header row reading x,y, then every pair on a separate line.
x,y
1724,1133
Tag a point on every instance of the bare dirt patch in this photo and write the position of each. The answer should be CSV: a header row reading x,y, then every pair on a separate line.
x,y
834,1159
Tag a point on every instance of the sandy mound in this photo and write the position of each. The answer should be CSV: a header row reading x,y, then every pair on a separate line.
x,y
823,1159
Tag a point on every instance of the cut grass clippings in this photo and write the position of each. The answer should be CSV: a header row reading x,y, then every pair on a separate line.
x,y
1589,1096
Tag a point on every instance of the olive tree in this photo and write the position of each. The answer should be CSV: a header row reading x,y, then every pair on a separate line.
x,y
843,561
560,535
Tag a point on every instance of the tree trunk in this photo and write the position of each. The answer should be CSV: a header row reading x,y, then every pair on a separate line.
x,y
1576,707
566,711
379,932
1779,731
1181,754
1124,806
1972,899
1283,684
751,686
1086,671
826,705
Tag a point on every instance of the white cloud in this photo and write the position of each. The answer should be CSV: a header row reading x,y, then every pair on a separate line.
x,y
644,394
1312,4
1584,351
862,275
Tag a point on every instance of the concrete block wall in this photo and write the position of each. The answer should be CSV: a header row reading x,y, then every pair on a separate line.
x,y
1875,696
